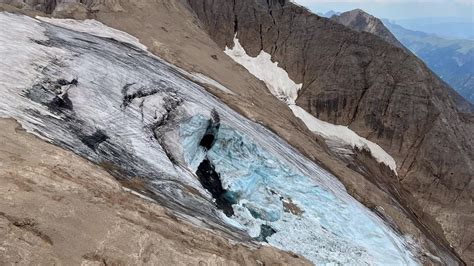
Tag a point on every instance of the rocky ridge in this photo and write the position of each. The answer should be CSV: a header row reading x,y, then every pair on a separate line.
x,y
361,21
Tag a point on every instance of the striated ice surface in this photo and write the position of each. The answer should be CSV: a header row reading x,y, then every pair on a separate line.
x,y
96,28
279,84
139,117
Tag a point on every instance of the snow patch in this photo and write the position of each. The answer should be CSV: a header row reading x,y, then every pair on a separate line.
x,y
285,89
343,134
262,67
96,28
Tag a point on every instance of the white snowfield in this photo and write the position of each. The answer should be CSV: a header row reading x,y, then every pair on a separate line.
x,y
279,84
109,102
262,67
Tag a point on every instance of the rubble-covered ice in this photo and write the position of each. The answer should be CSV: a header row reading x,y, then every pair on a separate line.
x,y
139,117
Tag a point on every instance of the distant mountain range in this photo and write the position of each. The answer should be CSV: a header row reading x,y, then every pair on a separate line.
x,y
451,59
451,28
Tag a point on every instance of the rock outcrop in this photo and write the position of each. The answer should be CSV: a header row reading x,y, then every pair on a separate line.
x,y
378,89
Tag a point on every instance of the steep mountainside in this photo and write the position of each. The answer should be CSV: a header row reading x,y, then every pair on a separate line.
x,y
452,60
115,90
96,91
360,21
377,89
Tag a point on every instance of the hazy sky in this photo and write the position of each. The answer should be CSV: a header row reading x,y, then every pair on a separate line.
x,y
398,9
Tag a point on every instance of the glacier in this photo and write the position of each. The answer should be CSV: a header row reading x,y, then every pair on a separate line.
x,y
112,102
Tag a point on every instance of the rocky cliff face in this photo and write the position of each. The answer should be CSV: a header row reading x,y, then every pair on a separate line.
x,y
377,89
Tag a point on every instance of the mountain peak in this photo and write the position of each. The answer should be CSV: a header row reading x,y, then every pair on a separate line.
x,y
359,11
361,21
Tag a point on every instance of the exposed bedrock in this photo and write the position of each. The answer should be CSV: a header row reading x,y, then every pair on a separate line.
x,y
379,90
210,180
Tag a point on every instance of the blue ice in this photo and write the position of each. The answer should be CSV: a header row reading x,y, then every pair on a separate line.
x,y
329,229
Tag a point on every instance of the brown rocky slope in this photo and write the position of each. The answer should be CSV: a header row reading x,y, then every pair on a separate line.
x,y
183,43
379,90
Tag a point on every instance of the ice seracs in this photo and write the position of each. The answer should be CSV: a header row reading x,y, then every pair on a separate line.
x,y
280,84
303,210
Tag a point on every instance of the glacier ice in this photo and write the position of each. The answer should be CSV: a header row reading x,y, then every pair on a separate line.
x,y
117,105
330,227
96,28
